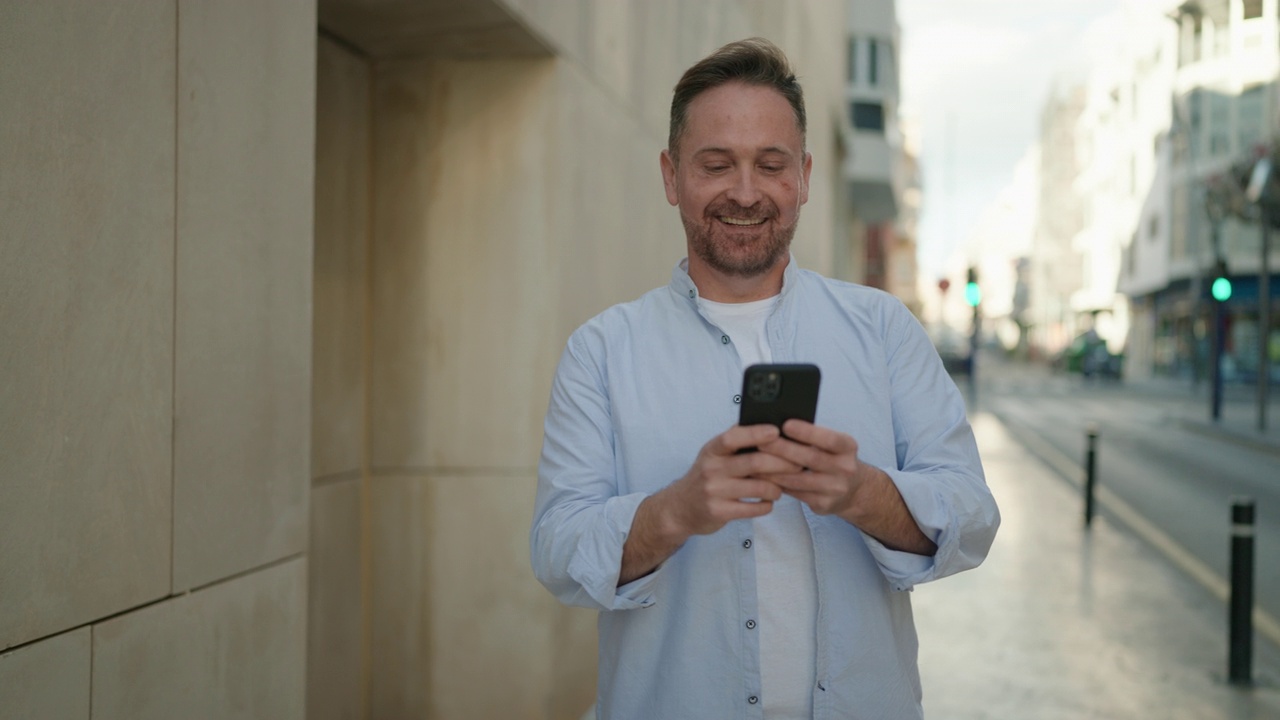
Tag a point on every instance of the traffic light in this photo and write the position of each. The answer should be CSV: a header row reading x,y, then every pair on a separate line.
x,y
972,293
1221,287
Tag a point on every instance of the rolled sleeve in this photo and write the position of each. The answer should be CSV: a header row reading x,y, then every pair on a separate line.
x,y
581,522
596,561
939,471
962,524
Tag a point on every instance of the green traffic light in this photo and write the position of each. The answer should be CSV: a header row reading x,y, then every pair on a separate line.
x,y
1221,289
972,294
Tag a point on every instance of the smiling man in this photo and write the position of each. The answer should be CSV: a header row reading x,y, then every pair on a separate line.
x,y
771,584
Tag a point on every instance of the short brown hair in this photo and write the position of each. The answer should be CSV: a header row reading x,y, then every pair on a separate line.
x,y
754,61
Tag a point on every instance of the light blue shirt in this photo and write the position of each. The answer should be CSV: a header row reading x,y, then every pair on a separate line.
x,y
640,389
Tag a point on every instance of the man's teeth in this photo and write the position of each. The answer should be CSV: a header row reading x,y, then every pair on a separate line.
x,y
740,221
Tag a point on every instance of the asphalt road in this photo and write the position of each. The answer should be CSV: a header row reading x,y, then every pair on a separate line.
x,y
1173,474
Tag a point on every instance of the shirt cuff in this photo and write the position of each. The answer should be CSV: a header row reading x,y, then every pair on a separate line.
x,y
905,570
598,561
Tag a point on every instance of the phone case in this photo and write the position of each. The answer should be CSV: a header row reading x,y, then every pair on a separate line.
x,y
776,393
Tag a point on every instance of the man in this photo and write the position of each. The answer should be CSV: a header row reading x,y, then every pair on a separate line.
x,y
770,584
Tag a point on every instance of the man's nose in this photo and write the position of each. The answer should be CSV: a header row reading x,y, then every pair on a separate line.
x,y
745,190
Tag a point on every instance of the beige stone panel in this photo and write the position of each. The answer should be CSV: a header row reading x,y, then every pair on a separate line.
x,y
402,596
463,269
246,79
48,679
236,649
610,36
487,600
618,236
86,307
335,603
461,627
655,65
341,287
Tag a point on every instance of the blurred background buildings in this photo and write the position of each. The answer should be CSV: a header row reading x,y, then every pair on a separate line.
x,y
284,284
1124,242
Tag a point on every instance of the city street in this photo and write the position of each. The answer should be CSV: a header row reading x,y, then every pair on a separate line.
x,y
1163,470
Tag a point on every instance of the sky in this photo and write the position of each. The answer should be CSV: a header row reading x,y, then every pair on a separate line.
x,y
975,75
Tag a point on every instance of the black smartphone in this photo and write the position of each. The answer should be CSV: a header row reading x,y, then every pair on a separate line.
x,y
776,393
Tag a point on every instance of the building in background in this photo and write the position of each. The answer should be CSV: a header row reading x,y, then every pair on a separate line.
x,y
880,171
1224,101
1054,271
281,310
1124,116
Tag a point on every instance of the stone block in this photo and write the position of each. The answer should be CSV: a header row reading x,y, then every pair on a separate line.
x,y
341,287
335,603
47,679
236,649
246,82
86,303
455,602
463,273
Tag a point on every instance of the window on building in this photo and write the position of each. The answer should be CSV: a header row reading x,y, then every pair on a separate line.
x,y
873,62
852,49
1153,228
1252,9
868,116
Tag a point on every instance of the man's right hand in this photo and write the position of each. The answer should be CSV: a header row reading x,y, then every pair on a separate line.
x,y
713,493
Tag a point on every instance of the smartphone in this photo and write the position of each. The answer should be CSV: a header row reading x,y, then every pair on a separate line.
x,y
776,393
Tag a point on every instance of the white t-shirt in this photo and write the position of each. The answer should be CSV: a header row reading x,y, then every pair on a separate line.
x,y
786,579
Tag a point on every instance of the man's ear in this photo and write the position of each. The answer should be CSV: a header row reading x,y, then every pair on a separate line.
x,y
669,176
806,169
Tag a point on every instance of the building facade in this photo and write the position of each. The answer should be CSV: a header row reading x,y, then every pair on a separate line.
x,y
880,172
1054,271
1224,113
284,287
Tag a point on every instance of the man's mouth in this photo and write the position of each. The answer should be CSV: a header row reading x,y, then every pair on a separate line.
x,y
740,221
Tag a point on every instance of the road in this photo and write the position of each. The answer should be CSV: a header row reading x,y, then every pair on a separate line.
x,y
1158,455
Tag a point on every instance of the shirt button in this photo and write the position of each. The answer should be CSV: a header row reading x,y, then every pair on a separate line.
x,y
746,544
693,293
724,339
737,399
753,699
751,624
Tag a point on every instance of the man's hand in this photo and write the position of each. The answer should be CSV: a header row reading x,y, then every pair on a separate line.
x,y
707,498
832,481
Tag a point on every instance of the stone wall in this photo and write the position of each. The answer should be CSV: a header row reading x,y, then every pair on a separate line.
x,y
155,276
281,308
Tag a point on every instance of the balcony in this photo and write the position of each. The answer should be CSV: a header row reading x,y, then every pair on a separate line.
x,y
870,168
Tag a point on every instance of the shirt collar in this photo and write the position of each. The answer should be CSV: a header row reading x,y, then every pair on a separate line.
x,y
683,285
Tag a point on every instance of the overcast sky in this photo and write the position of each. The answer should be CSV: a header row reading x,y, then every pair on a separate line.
x,y
975,75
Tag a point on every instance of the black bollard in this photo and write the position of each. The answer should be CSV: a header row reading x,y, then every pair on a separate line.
x,y
1090,471
1240,653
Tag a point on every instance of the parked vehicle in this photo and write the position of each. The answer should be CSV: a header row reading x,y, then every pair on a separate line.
x,y
1088,355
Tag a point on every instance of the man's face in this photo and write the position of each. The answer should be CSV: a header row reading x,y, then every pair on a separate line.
x,y
741,177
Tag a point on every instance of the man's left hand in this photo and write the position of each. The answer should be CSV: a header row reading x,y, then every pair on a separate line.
x,y
835,482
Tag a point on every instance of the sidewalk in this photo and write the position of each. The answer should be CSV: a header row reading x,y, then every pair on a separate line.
x,y
1061,624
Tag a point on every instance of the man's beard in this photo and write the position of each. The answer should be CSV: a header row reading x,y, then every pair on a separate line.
x,y
738,254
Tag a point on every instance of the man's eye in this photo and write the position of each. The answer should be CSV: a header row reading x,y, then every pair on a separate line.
x,y
771,168
716,168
